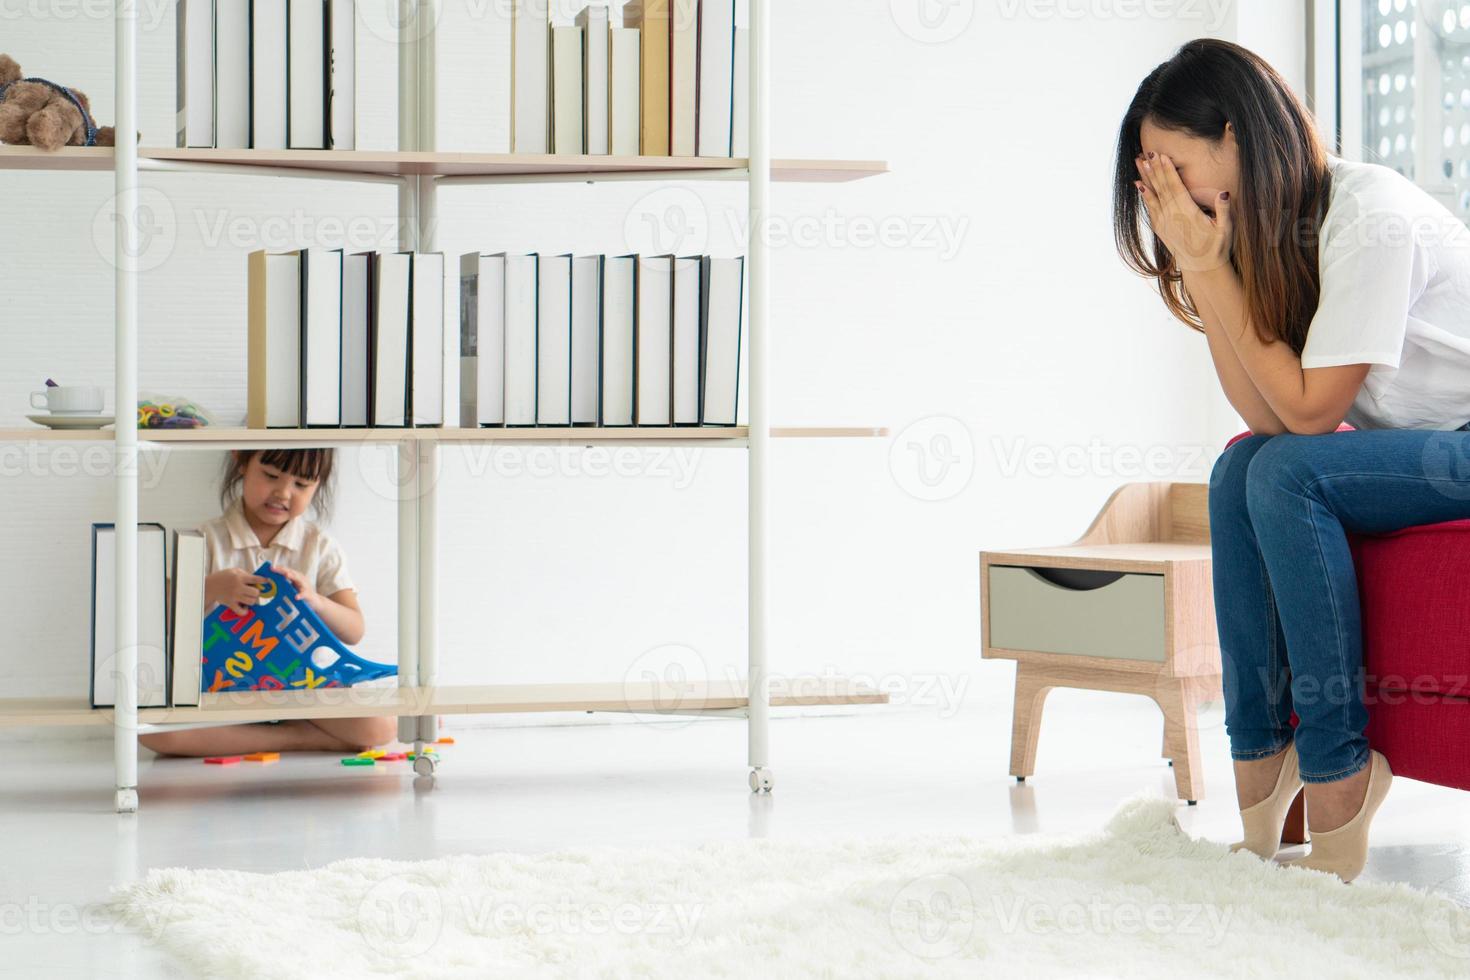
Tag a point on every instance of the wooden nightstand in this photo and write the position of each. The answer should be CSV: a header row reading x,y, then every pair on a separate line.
x,y
1127,607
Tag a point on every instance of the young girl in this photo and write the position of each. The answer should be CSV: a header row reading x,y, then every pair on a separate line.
x,y
265,495
1326,290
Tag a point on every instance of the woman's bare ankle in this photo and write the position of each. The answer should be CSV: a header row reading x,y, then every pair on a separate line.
x,y
1332,804
1256,778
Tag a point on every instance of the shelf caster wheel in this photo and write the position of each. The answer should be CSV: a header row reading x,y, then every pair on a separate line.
x,y
423,765
126,801
761,780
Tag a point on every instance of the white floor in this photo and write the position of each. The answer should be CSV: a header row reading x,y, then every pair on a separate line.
x,y
876,770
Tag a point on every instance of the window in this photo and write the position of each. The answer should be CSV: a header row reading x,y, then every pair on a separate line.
x,y
1404,70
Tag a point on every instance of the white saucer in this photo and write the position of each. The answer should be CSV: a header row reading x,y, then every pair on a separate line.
x,y
72,421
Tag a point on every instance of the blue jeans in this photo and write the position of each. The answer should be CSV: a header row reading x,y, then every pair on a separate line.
x,y
1286,593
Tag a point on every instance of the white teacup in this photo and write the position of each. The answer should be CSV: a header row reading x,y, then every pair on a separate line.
x,y
69,400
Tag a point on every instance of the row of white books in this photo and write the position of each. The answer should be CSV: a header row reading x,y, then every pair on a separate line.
x,y
286,74
170,613
515,76
609,340
345,339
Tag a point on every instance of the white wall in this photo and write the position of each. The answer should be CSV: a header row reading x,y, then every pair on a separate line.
x,y
1017,339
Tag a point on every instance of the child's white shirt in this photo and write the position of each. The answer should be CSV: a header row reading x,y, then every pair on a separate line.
x,y
230,542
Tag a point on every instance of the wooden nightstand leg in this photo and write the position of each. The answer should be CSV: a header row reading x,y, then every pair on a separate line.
x,y
1177,700
1031,691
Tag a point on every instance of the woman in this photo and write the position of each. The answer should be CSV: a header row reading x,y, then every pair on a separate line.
x,y
1327,290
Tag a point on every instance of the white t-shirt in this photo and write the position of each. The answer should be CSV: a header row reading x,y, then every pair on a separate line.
x,y
230,542
1395,274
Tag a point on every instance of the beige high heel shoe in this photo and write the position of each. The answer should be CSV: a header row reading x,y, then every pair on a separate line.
x,y
1344,851
1263,821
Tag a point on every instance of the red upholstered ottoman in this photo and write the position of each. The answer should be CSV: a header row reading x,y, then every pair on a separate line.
x,y
1414,593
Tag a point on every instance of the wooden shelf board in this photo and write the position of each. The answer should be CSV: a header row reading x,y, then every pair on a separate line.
x,y
645,697
448,434
1147,557
394,163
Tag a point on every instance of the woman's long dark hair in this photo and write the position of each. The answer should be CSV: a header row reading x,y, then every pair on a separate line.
x,y
1284,182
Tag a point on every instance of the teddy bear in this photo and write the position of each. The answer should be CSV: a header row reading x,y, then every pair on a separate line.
x,y
43,114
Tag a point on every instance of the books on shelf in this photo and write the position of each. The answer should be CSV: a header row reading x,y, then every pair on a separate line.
x,y
194,25
186,617
306,78
530,76
596,30
567,113
345,340
683,77
323,74
152,660
653,351
279,74
599,340
651,18
623,69
268,67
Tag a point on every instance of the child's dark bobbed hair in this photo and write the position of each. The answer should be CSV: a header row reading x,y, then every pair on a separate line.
x,y
308,464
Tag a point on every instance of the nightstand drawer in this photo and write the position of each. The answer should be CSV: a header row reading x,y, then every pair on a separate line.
x,y
1061,611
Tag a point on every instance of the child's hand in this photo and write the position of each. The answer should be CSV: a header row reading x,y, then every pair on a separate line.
x,y
304,591
234,588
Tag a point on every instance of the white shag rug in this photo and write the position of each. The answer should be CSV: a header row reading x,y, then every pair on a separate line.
x,y
1139,899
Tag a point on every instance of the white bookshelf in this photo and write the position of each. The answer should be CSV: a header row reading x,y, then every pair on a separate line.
x,y
418,170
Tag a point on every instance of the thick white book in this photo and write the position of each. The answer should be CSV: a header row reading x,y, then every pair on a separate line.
x,y
482,340
232,75
195,80
653,403
186,619
531,77
427,384
273,347
307,51
473,50
716,76
554,340
624,69
356,337
721,317
375,85
586,327
268,68
392,275
684,79
740,101
521,285
321,336
619,311
596,53
342,74
567,115
152,616
686,340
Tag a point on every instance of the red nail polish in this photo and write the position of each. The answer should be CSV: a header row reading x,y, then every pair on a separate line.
x,y
1225,196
